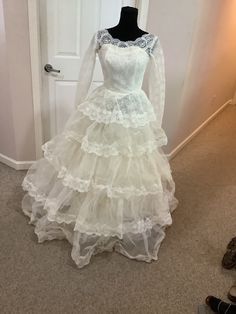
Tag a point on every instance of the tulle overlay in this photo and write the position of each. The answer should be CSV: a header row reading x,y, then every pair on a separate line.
x,y
104,183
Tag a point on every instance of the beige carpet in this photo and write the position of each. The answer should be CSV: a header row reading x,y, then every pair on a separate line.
x,y
42,278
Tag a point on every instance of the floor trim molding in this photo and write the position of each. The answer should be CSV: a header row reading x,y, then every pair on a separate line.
x,y
175,151
17,165
23,165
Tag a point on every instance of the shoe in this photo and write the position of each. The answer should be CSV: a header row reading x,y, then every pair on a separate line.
x,y
229,259
219,306
232,293
232,244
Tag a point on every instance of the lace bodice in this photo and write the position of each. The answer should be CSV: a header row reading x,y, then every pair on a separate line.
x,y
127,66
123,69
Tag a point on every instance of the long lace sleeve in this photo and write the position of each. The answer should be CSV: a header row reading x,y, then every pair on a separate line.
x,y
86,71
154,81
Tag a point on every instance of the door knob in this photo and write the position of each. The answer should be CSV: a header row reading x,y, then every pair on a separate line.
x,y
49,68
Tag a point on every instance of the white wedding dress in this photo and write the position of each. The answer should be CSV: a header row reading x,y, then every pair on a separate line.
x,y
104,182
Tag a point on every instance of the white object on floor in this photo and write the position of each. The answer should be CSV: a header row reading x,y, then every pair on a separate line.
x,y
104,182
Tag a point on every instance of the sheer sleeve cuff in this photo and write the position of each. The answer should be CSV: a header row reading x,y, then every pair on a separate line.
x,y
154,80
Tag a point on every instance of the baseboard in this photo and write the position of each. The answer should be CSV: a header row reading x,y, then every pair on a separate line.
x,y
174,152
23,165
17,165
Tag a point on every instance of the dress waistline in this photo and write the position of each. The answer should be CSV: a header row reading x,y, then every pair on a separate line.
x,y
123,92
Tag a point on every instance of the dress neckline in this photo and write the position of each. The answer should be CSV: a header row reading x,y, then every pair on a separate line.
x,y
146,41
126,41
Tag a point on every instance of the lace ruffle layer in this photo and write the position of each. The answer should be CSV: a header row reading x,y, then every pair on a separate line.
x,y
120,176
65,170
94,222
128,109
122,235
95,213
93,155
112,139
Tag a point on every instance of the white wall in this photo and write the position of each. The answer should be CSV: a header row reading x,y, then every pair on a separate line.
x,y
16,108
198,38
7,137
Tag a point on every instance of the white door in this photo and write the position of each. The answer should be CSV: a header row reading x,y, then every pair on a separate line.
x,y
66,27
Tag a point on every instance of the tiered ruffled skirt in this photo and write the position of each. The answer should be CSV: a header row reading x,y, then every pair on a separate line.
x,y
104,182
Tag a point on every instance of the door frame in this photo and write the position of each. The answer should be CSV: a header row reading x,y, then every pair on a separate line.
x,y
36,66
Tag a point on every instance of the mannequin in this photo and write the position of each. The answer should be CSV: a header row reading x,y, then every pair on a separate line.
x,y
127,28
